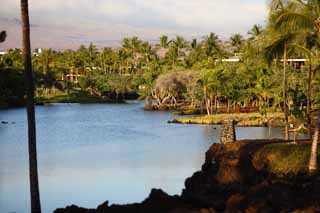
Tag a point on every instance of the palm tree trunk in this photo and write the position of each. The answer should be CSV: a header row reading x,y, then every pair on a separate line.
x,y
309,99
208,103
314,148
33,168
285,110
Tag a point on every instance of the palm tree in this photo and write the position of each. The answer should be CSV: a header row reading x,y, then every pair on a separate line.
x,y
164,42
255,32
147,51
281,38
278,45
211,44
314,148
302,16
180,43
176,47
236,41
194,43
33,168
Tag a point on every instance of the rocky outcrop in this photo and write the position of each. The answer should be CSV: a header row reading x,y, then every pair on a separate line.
x,y
229,182
157,202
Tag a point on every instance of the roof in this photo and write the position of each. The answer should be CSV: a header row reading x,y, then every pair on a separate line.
x,y
296,60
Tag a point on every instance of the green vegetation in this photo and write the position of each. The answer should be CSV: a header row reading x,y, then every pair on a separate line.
x,y
74,97
11,87
243,119
284,160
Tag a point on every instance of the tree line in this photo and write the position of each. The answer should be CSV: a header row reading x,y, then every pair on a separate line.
x,y
207,72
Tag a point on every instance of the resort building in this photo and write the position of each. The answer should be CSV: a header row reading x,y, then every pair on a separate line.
x,y
297,63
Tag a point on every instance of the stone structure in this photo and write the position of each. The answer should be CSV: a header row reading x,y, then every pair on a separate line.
x,y
228,131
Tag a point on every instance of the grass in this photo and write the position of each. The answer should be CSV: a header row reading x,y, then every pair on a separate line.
x,y
186,110
284,160
73,97
244,119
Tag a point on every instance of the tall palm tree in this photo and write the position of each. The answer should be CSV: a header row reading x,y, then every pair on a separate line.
x,y
33,167
282,39
278,44
302,16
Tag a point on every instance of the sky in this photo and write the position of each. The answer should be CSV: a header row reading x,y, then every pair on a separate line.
x,y
64,24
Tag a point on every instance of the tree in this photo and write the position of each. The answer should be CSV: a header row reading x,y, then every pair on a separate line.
x,y
33,167
194,43
171,86
176,49
236,41
314,148
146,51
301,16
164,42
211,44
255,32
278,42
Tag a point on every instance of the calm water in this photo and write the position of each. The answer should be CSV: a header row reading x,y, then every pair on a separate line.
x,y
91,153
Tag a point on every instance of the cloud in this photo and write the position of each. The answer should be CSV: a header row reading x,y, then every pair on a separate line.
x,y
145,18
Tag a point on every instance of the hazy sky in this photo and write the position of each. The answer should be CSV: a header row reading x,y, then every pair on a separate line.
x,y
88,19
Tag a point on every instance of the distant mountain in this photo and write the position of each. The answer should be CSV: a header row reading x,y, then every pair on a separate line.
x,y
56,37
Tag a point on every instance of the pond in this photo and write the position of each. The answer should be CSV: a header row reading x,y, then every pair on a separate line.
x,y
88,154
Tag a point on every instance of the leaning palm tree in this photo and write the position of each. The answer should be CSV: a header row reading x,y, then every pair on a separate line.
x,y
314,148
33,168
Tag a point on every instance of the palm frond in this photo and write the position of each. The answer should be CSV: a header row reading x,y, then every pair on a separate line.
x,y
290,20
303,49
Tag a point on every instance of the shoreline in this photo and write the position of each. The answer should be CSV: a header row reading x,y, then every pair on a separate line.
x,y
74,98
242,119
